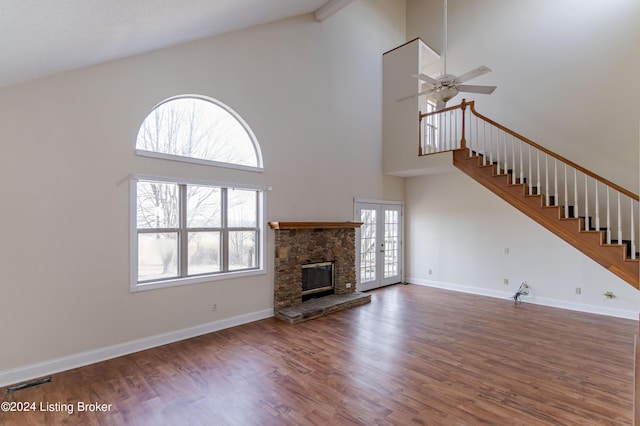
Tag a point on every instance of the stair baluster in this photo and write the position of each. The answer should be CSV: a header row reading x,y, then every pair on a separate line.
x,y
575,193
530,173
521,164
513,161
619,221
586,205
633,233
495,145
608,218
598,210
566,192
556,200
506,159
538,189
546,179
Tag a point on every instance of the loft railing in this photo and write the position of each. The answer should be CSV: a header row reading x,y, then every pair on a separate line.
x,y
604,205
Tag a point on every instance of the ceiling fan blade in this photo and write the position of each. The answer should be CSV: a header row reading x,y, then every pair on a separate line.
x,y
415,95
473,74
425,78
485,90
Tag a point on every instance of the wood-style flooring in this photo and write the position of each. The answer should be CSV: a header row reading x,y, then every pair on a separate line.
x,y
414,355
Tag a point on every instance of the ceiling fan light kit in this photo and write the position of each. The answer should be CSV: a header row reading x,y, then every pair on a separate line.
x,y
444,93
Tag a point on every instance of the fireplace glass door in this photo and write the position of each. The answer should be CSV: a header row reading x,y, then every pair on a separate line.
x,y
379,245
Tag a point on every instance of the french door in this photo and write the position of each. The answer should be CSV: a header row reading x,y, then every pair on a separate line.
x,y
378,244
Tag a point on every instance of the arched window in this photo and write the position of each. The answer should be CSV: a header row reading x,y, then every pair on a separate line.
x,y
199,129
188,230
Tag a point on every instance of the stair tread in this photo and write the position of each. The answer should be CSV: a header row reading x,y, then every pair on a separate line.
x,y
590,241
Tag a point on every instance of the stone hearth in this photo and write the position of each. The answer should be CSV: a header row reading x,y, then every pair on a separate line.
x,y
300,243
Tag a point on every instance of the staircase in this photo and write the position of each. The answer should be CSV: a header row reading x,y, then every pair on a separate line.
x,y
594,215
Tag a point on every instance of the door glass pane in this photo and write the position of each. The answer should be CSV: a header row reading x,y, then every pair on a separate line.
x,y
242,249
391,239
367,245
204,252
157,255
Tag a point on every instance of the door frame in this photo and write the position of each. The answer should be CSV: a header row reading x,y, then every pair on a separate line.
x,y
380,204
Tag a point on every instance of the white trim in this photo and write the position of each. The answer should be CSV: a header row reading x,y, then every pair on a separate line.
x,y
202,162
379,204
188,181
373,201
196,279
29,372
133,234
544,301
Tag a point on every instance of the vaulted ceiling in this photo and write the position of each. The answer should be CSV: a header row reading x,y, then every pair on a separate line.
x,y
43,37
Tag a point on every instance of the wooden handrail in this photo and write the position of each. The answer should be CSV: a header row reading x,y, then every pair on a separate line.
x,y
587,172
426,114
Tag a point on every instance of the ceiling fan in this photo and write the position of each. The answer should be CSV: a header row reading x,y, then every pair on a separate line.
x,y
444,87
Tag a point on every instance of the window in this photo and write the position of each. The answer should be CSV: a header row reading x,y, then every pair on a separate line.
x,y
430,134
186,230
200,130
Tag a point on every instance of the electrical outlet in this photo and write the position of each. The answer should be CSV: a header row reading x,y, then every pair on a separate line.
x,y
578,290
430,272
506,281
214,307
506,250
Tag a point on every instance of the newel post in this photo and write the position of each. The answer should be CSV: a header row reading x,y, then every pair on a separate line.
x,y
463,141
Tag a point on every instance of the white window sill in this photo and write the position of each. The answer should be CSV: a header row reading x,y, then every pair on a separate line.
x,y
174,282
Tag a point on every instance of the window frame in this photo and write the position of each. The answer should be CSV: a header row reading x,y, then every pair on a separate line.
x,y
183,229
184,159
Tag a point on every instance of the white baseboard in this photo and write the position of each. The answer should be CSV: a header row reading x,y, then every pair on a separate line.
x,y
545,301
30,372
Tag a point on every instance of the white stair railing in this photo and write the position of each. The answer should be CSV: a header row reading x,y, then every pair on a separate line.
x,y
580,193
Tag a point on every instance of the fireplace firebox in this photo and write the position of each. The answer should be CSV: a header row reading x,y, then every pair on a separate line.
x,y
318,279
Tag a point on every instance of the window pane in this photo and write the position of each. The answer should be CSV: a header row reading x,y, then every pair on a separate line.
x,y
242,210
157,256
242,250
204,252
203,207
157,205
197,128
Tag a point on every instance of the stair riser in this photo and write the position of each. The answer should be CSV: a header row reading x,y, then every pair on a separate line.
x,y
571,230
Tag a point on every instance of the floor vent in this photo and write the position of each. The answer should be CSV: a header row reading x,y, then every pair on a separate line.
x,y
31,384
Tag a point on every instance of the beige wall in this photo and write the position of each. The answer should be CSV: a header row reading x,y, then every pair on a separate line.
x,y
557,65
458,230
566,72
311,93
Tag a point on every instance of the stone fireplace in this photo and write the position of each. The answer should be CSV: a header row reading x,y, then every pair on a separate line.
x,y
301,246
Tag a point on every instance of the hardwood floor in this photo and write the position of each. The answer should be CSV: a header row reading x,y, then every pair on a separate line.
x,y
415,355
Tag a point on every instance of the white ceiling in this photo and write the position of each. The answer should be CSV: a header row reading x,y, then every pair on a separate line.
x,y
43,37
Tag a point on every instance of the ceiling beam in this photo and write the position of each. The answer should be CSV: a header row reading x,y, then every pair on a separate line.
x,y
329,8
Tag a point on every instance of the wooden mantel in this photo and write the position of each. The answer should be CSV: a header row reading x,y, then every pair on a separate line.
x,y
314,225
